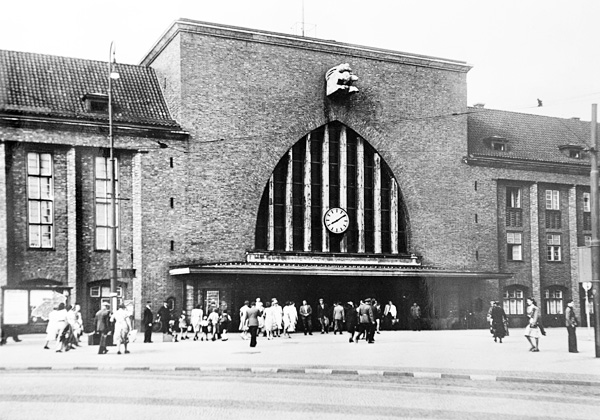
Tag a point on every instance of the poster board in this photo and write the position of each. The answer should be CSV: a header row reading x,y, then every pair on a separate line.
x,y
16,307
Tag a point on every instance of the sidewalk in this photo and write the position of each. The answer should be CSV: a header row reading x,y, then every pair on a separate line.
x,y
466,354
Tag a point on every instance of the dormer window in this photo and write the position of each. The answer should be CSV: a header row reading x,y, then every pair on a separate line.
x,y
497,143
574,151
95,102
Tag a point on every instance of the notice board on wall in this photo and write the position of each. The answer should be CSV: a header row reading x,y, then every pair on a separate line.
x,y
16,307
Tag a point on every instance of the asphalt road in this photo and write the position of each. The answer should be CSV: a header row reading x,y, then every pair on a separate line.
x,y
231,395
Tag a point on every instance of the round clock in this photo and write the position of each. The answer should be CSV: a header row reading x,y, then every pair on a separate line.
x,y
336,220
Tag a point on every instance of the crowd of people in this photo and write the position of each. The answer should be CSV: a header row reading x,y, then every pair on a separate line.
x,y
65,328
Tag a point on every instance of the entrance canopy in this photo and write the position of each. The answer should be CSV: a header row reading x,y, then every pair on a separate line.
x,y
332,265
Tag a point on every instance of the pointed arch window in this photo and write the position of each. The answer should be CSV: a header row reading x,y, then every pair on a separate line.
x,y
332,167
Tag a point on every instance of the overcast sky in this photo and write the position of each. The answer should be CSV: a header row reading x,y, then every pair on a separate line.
x,y
520,50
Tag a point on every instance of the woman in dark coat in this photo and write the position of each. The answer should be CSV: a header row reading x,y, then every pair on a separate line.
x,y
498,319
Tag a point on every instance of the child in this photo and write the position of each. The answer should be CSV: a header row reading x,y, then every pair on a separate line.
x,y
204,327
224,321
182,327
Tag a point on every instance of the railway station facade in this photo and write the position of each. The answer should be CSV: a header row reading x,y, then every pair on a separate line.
x,y
247,170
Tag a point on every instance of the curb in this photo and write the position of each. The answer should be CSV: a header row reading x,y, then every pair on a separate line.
x,y
313,371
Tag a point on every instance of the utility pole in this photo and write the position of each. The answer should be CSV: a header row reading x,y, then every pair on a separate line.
x,y
113,185
595,245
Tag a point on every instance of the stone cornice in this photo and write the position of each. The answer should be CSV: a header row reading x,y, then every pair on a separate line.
x,y
527,165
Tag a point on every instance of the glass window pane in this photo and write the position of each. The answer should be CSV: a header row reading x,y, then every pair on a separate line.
x,y
34,236
101,238
46,236
46,212
33,164
102,214
33,187
45,164
101,189
46,188
34,212
101,172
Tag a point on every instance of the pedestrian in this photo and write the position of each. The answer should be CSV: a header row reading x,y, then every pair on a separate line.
x,y
377,315
195,320
498,319
224,322
122,322
415,317
390,315
351,320
182,327
147,321
338,318
243,320
78,325
253,316
290,318
213,322
532,331
306,317
269,320
204,328
71,341
278,317
571,324
102,326
366,320
164,317
9,331
61,328
323,316
51,327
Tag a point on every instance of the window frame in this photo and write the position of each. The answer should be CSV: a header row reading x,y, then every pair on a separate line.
x,y
510,197
102,204
554,304
553,247
513,300
552,200
41,198
513,244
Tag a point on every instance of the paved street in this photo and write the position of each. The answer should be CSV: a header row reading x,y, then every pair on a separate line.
x,y
431,353
429,374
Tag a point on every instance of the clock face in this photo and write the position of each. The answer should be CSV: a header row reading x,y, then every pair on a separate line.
x,y
336,220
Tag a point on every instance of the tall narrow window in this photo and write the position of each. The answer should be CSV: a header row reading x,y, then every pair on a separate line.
x,y
103,206
554,301
552,200
553,247
514,246
586,202
40,200
514,213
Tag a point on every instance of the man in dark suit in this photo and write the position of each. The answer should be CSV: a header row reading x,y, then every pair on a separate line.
x,y
164,316
323,315
252,316
102,326
147,320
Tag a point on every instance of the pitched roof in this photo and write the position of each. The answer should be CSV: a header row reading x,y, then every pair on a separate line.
x,y
530,137
53,86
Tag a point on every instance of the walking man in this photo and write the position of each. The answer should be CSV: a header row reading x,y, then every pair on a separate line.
x,y
415,317
571,324
306,317
164,316
338,318
252,315
323,315
148,321
102,326
366,321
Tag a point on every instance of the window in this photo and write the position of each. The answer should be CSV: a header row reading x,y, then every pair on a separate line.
x,y
586,202
103,206
96,102
554,301
553,247
587,239
552,200
513,197
513,301
40,200
515,247
500,147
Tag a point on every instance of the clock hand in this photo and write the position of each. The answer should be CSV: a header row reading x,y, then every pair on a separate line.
x,y
337,220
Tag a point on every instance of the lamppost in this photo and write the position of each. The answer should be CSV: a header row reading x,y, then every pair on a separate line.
x,y
112,75
595,207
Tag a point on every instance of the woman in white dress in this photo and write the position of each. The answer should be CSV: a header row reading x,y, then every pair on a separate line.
x,y
195,319
532,331
122,322
269,320
290,317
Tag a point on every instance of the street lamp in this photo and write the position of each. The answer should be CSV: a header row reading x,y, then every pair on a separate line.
x,y
112,75
595,245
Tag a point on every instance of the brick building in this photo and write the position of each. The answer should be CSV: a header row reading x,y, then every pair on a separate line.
x,y
239,177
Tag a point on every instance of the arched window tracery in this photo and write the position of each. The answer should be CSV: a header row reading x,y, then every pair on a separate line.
x,y
330,167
